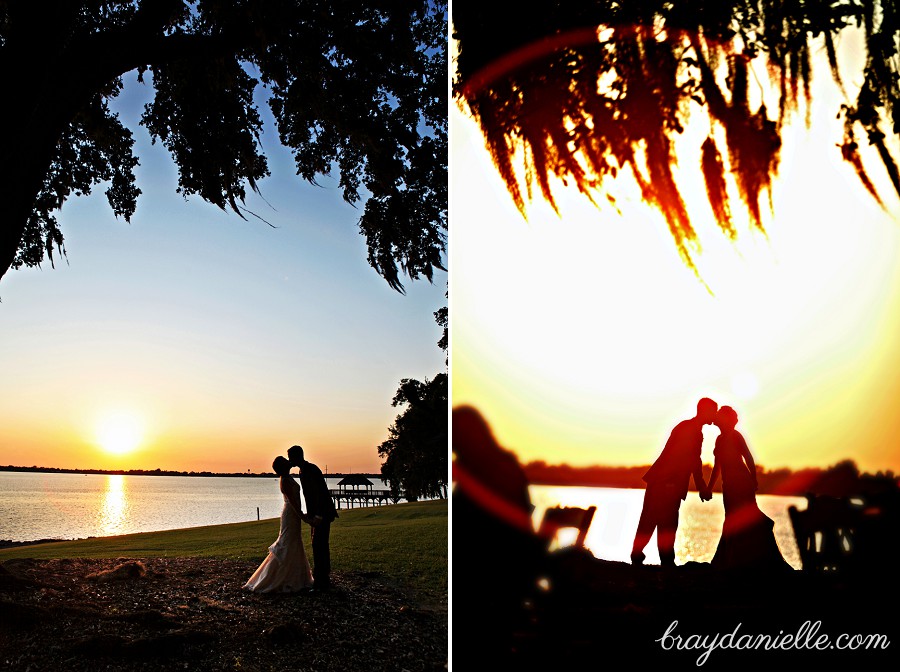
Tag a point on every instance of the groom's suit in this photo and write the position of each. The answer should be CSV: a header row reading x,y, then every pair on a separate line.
x,y
318,503
667,485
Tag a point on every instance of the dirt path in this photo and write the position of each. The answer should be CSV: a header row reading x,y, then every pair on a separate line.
x,y
190,613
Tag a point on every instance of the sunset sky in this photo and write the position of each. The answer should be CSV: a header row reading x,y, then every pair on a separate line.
x,y
582,338
193,340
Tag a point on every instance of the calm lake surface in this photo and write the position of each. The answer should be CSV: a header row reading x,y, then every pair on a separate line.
x,y
75,506
700,525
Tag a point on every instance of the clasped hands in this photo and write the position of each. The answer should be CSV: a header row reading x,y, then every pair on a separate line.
x,y
706,493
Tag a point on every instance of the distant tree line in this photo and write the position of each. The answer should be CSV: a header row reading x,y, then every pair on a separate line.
x,y
839,480
155,472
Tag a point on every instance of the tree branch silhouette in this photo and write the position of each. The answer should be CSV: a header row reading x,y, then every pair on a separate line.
x,y
582,92
356,90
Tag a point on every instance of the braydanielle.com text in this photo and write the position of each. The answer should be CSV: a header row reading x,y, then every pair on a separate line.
x,y
807,637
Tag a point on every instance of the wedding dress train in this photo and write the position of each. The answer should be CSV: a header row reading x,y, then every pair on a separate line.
x,y
286,568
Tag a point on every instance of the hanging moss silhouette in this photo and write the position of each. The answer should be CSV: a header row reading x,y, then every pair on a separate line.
x,y
583,90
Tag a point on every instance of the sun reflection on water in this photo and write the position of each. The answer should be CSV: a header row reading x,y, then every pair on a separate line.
x,y
114,507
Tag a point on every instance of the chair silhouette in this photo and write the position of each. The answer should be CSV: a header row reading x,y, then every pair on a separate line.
x,y
827,533
557,518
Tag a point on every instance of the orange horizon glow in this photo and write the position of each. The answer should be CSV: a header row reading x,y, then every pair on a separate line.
x,y
208,453
79,440
709,436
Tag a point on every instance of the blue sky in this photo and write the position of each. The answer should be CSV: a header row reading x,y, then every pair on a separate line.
x,y
224,340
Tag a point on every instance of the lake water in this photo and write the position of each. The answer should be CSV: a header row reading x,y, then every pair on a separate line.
x,y
75,506
700,525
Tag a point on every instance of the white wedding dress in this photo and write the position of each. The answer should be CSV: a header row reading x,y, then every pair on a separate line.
x,y
285,569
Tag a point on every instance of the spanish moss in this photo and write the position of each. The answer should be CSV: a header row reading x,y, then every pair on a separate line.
x,y
581,92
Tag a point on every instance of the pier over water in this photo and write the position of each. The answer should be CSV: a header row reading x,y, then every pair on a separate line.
x,y
358,490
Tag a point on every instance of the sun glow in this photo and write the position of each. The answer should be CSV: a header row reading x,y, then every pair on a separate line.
x,y
744,385
120,432
581,336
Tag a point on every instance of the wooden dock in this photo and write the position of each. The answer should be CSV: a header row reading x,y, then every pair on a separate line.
x,y
361,498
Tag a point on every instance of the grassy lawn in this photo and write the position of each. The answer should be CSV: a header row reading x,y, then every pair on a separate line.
x,y
405,543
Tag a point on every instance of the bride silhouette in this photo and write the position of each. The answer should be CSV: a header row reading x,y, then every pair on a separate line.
x,y
748,540
286,568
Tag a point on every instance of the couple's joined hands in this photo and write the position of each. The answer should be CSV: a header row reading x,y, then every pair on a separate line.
x,y
706,495
310,520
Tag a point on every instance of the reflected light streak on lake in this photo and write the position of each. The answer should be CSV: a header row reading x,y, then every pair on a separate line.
x,y
611,534
114,510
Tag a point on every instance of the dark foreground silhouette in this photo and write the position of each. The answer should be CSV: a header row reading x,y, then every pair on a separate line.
x,y
163,614
517,605
497,557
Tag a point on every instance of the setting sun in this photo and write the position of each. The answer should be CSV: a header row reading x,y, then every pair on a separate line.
x,y
119,432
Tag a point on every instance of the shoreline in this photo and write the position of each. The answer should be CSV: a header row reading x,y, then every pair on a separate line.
x,y
11,543
162,472
413,537
15,543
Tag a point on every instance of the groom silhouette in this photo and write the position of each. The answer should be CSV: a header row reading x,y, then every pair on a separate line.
x,y
320,512
667,484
